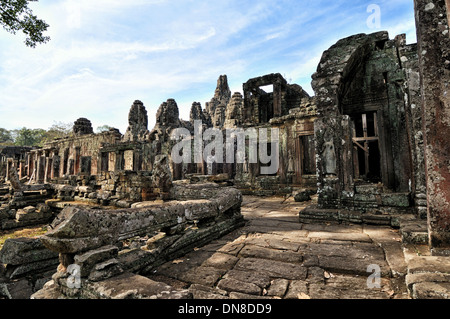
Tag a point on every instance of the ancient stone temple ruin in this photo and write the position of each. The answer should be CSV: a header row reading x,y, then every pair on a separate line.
x,y
371,146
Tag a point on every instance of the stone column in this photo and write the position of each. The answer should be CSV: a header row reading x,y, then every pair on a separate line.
x,y
48,169
40,169
434,65
9,162
55,166
77,160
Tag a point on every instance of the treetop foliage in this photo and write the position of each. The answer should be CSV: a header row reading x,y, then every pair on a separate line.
x,y
15,15
34,137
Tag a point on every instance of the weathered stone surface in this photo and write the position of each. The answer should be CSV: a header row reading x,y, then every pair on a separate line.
x,y
274,268
429,264
258,278
234,110
222,96
82,126
221,261
24,251
30,268
131,286
206,276
162,175
298,289
104,270
234,285
433,44
20,289
302,196
340,236
272,254
49,291
347,287
168,114
30,213
414,278
137,123
88,260
431,290
278,287
203,292
352,266
79,230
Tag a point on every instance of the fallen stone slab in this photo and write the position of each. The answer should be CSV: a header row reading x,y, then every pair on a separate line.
x,y
14,272
19,289
132,286
20,251
88,260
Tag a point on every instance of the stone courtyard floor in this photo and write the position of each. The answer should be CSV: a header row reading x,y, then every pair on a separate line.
x,y
275,256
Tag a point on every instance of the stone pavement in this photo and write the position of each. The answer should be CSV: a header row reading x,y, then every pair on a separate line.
x,y
275,256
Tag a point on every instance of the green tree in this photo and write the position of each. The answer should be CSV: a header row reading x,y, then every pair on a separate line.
x,y
103,128
6,137
57,130
15,16
29,137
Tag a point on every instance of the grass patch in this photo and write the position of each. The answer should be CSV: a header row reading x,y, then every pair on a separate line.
x,y
29,232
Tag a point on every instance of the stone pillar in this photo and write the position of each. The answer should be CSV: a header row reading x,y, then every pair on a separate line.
x,y
28,159
48,169
55,166
40,169
8,168
334,160
77,160
70,167
21,168
434,65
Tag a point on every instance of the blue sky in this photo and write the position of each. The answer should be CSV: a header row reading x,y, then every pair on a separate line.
x,y
104,54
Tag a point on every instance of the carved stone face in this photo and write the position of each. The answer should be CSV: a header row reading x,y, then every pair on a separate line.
x,y
329,157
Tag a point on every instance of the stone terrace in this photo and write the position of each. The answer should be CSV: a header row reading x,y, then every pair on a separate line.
x,y
275,256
